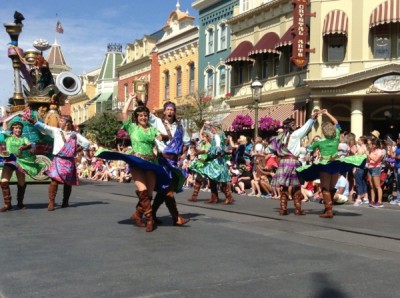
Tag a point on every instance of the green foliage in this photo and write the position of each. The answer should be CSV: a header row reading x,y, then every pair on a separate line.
x,y
103,129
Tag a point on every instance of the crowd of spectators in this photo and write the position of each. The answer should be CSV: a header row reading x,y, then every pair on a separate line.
x,y
253,168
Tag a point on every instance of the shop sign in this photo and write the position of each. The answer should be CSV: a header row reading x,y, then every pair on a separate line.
x,y
300,32
388,83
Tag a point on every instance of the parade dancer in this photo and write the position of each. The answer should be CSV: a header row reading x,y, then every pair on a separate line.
x,y
287,147
216,168
147,174
62,169
330,165
17,157
175,140
198,164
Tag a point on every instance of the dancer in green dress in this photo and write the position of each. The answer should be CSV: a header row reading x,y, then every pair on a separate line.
x,y
330,166
18,158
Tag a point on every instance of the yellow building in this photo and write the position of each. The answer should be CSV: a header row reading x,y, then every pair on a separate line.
x,y
178,56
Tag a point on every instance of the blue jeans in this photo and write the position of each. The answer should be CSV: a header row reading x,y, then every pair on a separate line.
x,y
397,177
361,181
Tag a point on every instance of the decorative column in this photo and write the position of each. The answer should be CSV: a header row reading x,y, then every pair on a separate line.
x,y
14,30
356,118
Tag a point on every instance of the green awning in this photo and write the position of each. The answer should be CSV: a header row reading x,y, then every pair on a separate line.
x,y
106,96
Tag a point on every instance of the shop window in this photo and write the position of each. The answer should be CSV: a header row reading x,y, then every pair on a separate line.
x,y
336,46
222,36
210,41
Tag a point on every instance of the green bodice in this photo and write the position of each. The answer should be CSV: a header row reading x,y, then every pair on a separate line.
x,y
143,140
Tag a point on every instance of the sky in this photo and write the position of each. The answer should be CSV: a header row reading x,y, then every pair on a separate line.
x,y
89,25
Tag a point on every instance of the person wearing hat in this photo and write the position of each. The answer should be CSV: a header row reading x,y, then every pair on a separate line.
x,y
375,134
287,146
175,141
328,168
17,157
63,168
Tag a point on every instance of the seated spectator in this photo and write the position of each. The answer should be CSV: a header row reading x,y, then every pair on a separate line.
x,y
307,190
243,180
125,175
342,190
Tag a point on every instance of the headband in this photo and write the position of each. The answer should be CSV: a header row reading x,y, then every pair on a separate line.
x,y
169,104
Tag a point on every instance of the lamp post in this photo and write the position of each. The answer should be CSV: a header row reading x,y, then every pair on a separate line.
x,y
256,87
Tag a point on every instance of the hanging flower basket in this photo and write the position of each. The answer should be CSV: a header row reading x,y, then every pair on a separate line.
x,y
122,134
242,122
268,124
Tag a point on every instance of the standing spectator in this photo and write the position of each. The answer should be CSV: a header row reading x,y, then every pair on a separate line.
x,y
375,158
396,156
360,175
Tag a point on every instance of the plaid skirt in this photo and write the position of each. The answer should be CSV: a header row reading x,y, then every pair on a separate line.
x,y
286,173
63,170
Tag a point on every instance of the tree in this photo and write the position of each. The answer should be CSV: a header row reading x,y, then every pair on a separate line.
x,y
103,129
201,107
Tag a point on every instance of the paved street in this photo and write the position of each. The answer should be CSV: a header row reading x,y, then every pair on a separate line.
x,y
242,250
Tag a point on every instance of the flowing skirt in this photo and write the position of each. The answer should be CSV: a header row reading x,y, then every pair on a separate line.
x,y
163,180
63,170
25,165
341,165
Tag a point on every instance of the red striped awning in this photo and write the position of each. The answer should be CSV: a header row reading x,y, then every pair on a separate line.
x,y
385,13
240,53
266,44
278,112
336,22
286,39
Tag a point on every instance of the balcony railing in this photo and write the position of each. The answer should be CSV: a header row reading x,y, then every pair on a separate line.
x,y
291,80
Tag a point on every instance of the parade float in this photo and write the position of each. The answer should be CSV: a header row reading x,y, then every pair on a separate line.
x,y
37,94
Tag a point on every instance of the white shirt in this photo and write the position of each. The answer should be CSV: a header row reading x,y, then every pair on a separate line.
x,y
159,124
294,144
343,182
55,133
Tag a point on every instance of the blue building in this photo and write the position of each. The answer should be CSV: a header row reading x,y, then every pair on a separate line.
x,y
214,46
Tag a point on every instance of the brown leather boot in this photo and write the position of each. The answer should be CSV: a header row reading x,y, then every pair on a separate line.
x,y
297,197
196,189
53,187
145,202
227,190
284,199
138,214
328,213
20,196
170,202
6,196
67,194
214,193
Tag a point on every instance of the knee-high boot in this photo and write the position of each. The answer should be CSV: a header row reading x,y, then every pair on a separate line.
x,y
196,189
138,214
159,199
214,192
5,187
326,195
284,199
226,188
170,202
20,196
145,202
67,194
297,197
53,187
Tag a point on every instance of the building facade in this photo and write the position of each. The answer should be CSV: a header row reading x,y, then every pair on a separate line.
x,y
351,60
134,74
214,46
177,57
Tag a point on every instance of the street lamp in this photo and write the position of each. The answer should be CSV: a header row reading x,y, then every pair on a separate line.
x,y
256,87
